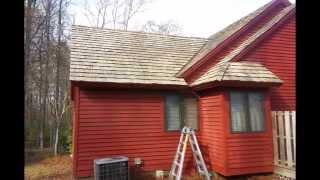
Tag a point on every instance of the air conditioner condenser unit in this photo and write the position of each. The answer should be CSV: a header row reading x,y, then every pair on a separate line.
x,y
111,168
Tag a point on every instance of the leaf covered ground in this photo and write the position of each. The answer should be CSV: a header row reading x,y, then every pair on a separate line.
x,y
59,167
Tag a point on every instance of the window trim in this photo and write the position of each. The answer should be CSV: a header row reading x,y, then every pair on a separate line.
x,y
248,112
180,108
183,111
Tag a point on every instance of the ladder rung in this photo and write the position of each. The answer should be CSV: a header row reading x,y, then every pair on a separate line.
x,y
197,153
176,163
197,158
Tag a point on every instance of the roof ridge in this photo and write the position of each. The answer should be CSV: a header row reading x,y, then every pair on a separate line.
x,y
251,39
261,31
228,32
138,32
268,25
236,21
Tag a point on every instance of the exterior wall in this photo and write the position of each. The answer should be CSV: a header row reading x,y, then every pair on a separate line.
x,y
249,153
75,118
131,123
227,153
122,123
212,131
278,54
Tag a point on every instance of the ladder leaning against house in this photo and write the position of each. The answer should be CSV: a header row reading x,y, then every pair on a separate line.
x,y
187,134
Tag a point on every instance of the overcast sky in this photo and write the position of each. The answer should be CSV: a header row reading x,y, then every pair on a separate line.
x,y
199,18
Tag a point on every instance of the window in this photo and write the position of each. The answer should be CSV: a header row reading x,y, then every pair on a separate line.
x,y
190,112
180,112
173,112
247,112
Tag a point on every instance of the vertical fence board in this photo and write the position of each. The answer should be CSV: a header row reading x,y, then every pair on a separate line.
x,y
275,137
288,138
284,141
293,117
281,139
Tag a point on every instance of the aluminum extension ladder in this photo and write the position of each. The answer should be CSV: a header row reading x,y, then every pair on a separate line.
x,y
177,165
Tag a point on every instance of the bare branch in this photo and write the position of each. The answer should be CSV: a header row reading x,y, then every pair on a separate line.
x,y
114,11
169,27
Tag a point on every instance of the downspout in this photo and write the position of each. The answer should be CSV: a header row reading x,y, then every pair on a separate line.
x,y
198,106
194,93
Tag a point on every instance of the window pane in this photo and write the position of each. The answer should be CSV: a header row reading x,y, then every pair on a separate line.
x,y
256,111
173,118
191,112
238,112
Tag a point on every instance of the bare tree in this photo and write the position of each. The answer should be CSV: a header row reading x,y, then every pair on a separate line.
x,y
116,5
47,67
28,21
168,27
113,13
131,8
33,23
98,16
49,7
59,107
59,115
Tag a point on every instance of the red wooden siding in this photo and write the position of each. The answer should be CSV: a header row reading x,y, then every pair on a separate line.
x,y
131,123
75,118
123,123
249,153
278,53
220,55
212,131
227,153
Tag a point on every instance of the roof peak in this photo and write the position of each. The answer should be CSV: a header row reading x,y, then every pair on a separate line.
x,y
138,32
225,36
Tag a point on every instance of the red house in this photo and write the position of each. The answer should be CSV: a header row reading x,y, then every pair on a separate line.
x,y
132,92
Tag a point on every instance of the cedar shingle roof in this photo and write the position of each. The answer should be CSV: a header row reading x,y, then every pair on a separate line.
x,y
104,55
211,74
238,71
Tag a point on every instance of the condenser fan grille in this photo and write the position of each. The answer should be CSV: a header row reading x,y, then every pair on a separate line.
x,y
111,169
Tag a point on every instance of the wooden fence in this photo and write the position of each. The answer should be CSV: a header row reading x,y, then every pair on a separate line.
x,y
284,140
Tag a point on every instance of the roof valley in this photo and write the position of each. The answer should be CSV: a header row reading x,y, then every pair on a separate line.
x,y
104,55
211,76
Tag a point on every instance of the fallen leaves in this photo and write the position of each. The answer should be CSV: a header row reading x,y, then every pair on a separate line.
x,y
59,167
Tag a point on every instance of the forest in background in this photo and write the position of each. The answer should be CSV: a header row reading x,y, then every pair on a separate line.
x,y
47,102
47,24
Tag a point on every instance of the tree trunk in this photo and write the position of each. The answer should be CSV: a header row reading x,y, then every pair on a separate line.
x,y
41,96
56,139
51,136
41,137
58,57
27,53
48,26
